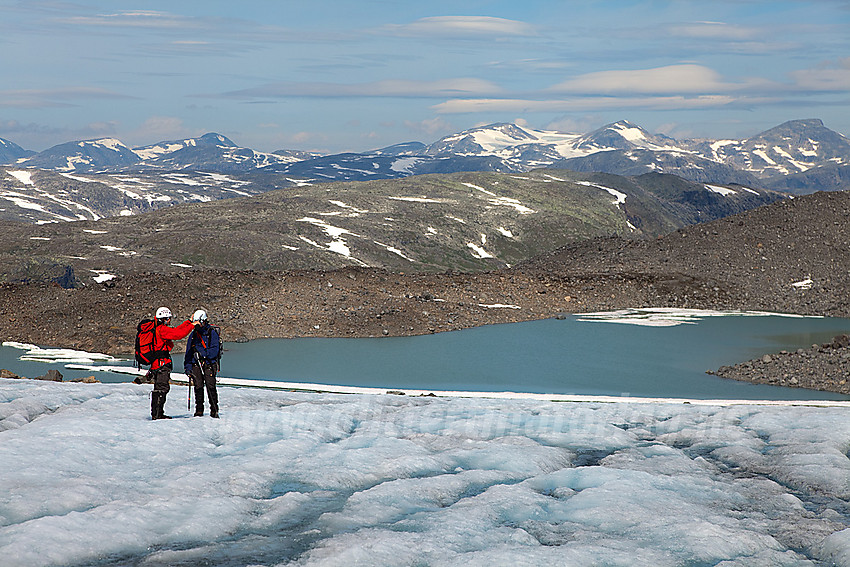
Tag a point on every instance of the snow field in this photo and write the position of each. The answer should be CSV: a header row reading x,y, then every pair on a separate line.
x,y
322,479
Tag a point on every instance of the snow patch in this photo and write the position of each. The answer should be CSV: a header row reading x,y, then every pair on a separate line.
x,y
102,276
338,245
24,177
478,251
620,197
394,250
499,306
79,178
405,165
417,199
477,188
725,191
342,205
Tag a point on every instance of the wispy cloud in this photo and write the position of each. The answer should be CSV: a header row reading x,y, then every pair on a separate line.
x,y
661,80
715,31
588,104
202,31
830,77
162,128
462,26
429,127
59,97
41,135
387,88
134,19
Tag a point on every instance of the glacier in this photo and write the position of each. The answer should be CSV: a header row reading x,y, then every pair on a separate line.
x,y
299,478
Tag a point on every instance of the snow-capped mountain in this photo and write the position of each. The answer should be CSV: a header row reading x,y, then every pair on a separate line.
x,y
622,135
11,152
790,148
495,139
210,152
799,156
105,154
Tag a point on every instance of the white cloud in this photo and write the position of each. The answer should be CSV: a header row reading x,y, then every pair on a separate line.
x,y
714,30
136,19
430,126
463,26
386,88
160,128
686,78
584,104
831,77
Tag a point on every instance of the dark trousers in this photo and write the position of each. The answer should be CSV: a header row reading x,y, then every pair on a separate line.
x,y
161,386
203,377
162,378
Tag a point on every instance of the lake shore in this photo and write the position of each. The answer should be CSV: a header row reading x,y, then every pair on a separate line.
x,y
788,257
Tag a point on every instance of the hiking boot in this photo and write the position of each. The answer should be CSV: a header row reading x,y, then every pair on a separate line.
x,y
199,413
157,405
214,413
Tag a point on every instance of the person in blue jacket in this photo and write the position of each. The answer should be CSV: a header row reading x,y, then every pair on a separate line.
x,y
201,363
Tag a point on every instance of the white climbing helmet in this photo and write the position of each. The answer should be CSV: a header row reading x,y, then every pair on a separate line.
x,y
199,315
163,313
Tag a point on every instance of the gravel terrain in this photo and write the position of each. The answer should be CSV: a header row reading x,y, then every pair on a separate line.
x,y
821,367
791,256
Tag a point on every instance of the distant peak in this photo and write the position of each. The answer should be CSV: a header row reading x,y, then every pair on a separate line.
x,y
623,125
216,139
805,122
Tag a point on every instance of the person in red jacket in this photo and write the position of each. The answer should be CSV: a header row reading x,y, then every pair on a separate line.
x,y
164,338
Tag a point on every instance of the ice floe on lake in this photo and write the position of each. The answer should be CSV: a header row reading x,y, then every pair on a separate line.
x,y
669,316
62,355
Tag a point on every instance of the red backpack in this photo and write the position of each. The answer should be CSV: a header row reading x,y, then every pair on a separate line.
x,y
145,335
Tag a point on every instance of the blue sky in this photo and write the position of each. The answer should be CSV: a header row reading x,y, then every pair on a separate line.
x,y
333,75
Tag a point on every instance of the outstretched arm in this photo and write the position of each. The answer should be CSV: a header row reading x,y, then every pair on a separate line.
x,y
176,333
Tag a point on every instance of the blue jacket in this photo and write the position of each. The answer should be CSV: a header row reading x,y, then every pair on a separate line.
x,y
205,341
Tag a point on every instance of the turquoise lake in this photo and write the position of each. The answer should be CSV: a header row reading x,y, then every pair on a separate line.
x,y
553,356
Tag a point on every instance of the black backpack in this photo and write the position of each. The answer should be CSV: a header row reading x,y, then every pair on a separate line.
x,y
217,361
145,334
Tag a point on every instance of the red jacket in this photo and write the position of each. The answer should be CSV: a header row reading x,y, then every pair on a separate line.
x,y
164,340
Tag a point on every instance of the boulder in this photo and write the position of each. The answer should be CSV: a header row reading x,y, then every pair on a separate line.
x,y
52,375
87,380
8,374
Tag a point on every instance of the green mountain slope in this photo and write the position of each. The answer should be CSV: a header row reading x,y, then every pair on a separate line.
x,y
462,221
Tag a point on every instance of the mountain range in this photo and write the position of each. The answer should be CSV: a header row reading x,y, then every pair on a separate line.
x,y
797,157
